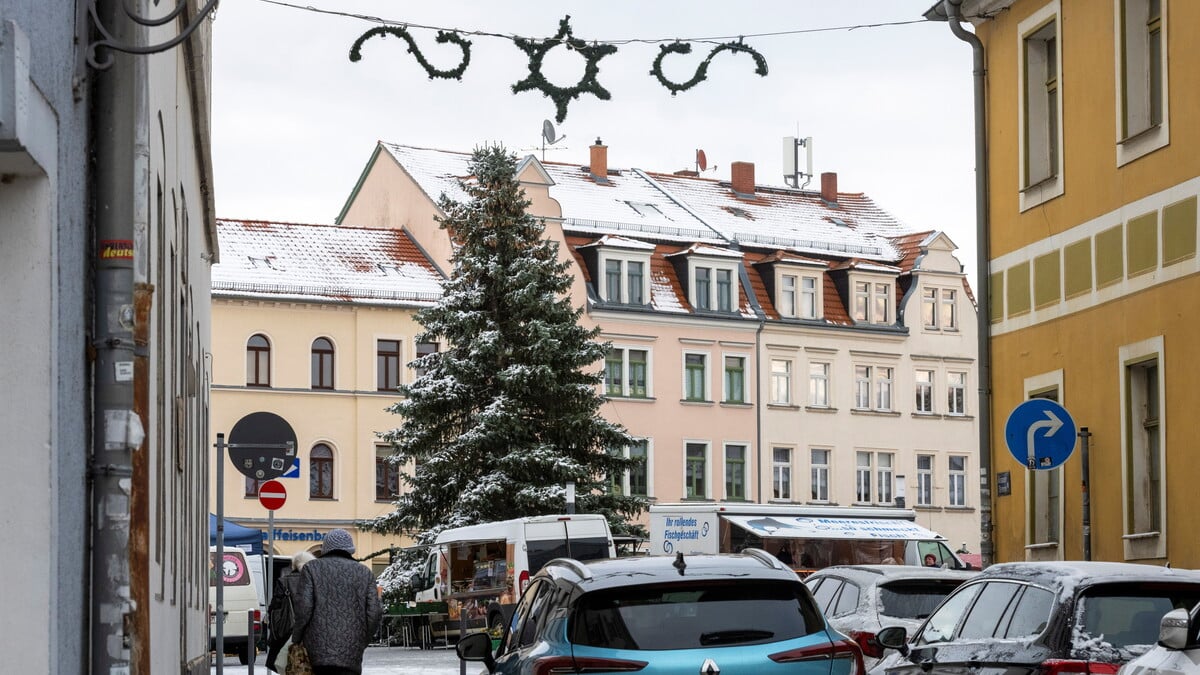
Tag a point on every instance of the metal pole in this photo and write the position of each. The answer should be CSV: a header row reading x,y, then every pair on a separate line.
x,y
1084,436
219,617
252,641
270,554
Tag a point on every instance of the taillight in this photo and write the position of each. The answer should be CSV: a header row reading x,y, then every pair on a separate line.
x,y
522,582
1065,666
841,649
867,643
560,665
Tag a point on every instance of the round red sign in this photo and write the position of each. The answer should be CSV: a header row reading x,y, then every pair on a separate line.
x,y
272,495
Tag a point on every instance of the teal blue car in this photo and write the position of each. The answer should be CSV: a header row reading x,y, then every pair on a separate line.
x,y
703,614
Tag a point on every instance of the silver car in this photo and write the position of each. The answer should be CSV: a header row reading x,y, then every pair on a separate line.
x,y
1178,649
859,600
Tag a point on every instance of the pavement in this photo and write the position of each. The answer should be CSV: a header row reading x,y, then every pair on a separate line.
x,y
380,661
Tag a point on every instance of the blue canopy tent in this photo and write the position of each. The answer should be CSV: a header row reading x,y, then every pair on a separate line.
x,y
236,535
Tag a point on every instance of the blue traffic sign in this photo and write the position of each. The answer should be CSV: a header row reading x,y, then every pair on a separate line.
x,y
1040,434
294,471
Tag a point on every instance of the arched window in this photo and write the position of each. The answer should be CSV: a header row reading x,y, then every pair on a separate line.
x,y
322,364
320,472
258,361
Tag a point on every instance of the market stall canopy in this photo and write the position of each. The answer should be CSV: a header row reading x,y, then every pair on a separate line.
x,y
236,536
792,527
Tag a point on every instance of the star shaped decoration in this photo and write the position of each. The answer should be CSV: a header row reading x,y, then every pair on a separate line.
x,y
536,49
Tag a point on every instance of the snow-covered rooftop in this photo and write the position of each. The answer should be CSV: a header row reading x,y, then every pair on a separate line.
x,y
322,263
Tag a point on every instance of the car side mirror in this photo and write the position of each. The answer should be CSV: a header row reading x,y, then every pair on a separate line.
x,y
893,637
477,647
1173,629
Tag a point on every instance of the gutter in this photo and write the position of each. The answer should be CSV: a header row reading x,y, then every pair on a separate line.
x,y
953,9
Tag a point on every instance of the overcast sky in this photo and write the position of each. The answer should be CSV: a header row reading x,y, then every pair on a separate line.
x,y
889,107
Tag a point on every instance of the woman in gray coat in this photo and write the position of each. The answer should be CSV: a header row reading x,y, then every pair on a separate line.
x,y
337,608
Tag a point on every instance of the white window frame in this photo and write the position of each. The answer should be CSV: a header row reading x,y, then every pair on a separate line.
x,y
951,387
1140,136
708,465
626,373
808,297
1038,489
745,358
624,258
923,379
864,475
1146,543
789,296
778,470
747,470
819,379
706,383
649,466
866,292
819,470
948,308
925,479
781,382
863,376
929,308
958,477
885,476
713,300
793,300
1032,77
885,387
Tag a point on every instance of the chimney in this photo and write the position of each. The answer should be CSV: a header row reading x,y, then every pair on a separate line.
x,y
599,165
829,187
741,177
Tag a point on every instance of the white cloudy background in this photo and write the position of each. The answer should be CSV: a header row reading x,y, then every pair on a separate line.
x,y
889,107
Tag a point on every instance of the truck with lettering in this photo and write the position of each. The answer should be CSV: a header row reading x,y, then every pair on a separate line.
x,y
480,571
806,538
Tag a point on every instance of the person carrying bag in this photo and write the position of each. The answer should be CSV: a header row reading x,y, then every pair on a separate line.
x,y
281,619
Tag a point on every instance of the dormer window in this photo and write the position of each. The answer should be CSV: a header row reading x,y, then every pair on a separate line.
x,y
713,288
939,308
799,296
873,302
625,279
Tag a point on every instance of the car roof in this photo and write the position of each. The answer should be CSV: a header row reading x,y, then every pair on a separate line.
x,y
638,570
874,574
1068,576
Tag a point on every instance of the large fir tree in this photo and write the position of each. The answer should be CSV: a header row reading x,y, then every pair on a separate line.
x,y
508,412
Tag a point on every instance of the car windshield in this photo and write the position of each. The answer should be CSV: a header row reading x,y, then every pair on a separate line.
x,y
694,615
1118,617
914,599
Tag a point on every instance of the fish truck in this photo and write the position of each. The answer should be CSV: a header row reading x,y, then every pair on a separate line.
x,y
806,538
480,571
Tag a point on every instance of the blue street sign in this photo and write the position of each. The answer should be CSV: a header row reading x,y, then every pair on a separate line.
x,y
1040,434
294,471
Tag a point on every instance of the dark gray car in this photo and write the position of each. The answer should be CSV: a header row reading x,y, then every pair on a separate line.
x,y
1039,618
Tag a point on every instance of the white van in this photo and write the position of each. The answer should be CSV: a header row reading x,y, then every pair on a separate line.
x,y
479,571
240,597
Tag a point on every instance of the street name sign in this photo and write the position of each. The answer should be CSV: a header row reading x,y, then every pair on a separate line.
x,y
1040,434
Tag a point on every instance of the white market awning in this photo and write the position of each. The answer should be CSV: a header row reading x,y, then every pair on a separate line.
x,y
801,527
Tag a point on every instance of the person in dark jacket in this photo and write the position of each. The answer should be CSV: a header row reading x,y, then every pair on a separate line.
x,y
283,590
337,608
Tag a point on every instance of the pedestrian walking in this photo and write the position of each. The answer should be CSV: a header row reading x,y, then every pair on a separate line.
x,y
281,616
337,608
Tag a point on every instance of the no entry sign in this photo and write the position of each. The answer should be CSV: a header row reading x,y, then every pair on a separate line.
x,y
272,495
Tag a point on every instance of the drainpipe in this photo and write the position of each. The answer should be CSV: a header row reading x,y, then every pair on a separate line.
x,y
982,259
118,112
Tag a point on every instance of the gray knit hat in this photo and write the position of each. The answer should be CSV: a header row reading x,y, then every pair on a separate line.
x,y
337,540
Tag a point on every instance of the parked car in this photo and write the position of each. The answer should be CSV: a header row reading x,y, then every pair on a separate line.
x,y
1178,649
1045,618
859,600
744,613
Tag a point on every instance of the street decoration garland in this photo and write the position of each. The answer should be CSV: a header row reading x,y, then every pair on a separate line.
x,y
537,49
760,63
442,38
562,96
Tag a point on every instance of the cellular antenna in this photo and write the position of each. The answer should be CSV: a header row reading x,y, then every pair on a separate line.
x,y
791,161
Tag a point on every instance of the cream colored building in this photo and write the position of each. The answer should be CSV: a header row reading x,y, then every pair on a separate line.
x,y
314,323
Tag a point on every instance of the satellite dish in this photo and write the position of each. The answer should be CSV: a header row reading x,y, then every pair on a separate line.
x,y
548,132
701,161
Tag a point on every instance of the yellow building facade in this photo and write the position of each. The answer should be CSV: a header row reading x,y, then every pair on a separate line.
x,y
1093,142
315,324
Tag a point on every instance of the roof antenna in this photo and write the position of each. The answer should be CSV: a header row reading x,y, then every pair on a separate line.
x,y
791,161
679,564
549,137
